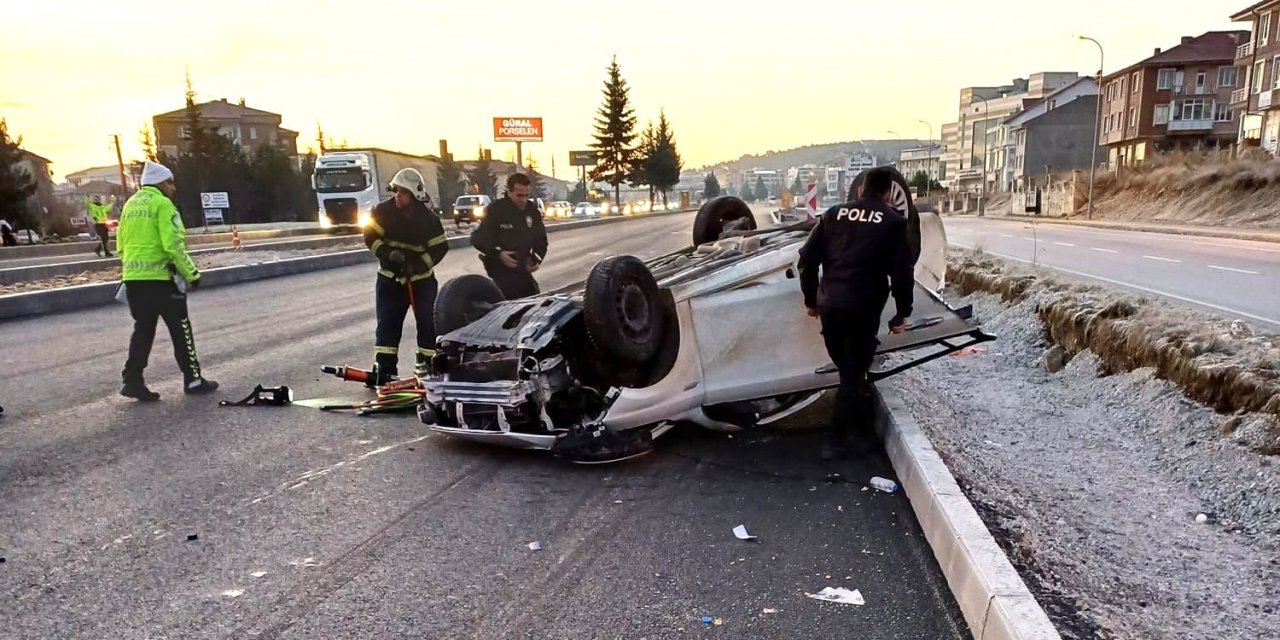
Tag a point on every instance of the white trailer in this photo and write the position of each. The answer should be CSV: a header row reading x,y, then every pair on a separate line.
x,y
350,182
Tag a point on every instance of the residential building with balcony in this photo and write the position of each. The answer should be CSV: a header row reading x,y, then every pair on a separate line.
x,y
975,147
1174,100
926,159
250,128
1259,62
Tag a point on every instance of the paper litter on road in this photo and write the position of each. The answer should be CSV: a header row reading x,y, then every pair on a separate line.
x,y
839,594
535,546
233,593
258,574
741,532
769,611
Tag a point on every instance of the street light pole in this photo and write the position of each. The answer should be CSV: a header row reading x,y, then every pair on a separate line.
x,y
928,161
897,135
1097,124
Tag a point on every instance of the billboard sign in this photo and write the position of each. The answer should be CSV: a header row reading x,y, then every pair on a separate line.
x,y
517,129
587,158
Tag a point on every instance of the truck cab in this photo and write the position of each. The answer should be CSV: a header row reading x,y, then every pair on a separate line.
x,y
346,189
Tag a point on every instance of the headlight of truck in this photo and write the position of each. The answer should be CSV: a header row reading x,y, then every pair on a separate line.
x,y
363,219
478,212
325,221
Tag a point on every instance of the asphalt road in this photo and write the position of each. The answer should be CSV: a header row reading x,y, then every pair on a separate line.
x,y
182,519
1233,278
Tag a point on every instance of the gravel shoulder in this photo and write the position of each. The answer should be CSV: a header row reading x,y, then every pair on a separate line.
x,y
1095,483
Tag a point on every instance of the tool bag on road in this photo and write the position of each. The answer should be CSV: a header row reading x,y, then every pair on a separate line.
x,y
263,397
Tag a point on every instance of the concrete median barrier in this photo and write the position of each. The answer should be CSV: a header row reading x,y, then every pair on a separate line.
x,y
75,298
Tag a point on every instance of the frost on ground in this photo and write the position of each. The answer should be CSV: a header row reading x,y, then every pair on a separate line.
x,y
204,261
1094,480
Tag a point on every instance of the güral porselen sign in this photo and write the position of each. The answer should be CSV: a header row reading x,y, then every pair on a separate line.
x,y
517,129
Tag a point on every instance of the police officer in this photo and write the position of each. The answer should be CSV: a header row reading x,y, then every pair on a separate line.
x,y
100,211
156,271
512,240
863,250
409,241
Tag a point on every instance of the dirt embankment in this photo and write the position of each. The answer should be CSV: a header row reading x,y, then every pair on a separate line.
x,y
1213,190
1219,363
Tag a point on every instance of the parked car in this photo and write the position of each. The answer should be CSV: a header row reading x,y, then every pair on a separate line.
x,y
469,209
560,209
712,335
584,210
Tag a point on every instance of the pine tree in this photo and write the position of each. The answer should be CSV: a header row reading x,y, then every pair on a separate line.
x,y
148,142
642,158
711,186
538,188
761,191
798,187
450,181
615,131
16,185
482,176
665,164
746,193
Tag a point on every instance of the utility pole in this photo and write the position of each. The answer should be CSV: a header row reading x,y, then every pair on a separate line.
x,y
124,186
519,156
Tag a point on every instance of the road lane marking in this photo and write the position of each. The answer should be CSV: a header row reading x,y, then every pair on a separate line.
x,y
1161,259
1214,266
1031,239
1105,250
1166,294
1005,235
1064,244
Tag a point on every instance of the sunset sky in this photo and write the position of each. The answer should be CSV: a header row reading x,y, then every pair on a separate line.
x,y
734,78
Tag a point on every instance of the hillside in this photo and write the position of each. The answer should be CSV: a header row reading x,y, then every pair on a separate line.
x,y
1197,189
816,154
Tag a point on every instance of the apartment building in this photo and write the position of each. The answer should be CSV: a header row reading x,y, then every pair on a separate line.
x,y
250,128
1258,64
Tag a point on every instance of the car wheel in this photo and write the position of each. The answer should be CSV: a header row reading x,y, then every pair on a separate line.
x,y
901,200
621,309
716,213
464,300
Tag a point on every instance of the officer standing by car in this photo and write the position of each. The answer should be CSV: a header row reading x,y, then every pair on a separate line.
x,y
100,212
863,251
512,240
156,270
409,241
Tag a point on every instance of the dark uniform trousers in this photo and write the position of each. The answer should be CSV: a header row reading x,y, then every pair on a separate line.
x,y
392,301
150,301
514,283
850,337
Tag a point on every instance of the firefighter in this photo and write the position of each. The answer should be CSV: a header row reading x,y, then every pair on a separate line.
x,y
156,271
100,211
409,241
864,254
512,240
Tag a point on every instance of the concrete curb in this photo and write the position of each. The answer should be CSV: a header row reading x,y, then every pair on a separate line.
x,y
63,299
15,275
193,239
1177,230
995,602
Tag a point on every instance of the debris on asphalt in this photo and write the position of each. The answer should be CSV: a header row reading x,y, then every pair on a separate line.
x,y
192,537
769,611
968,351
1202,518
258,574
707,619
305,562
2,560
839,594
741,532
884,484
717,622
535,546
833,478
233,593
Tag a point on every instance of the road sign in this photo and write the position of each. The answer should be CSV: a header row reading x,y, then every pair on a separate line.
x,y
212,216
517,129
587,158
215,200
811,200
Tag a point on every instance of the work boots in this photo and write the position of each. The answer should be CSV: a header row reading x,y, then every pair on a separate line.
x,y
138,391
199,386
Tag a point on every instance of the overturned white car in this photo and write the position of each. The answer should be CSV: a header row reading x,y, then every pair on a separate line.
x,y
714,334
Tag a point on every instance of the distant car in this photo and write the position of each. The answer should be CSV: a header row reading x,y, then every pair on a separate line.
x,y
560,209
469,209
26,236
584,210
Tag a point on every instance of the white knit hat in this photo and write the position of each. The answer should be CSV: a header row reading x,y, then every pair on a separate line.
x,y
155,173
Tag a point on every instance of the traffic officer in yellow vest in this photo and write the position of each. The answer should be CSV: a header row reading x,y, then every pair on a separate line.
x,y
157,270
409,241
100,211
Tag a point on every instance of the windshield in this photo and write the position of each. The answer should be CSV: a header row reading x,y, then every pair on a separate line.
x,y
468,201
343,180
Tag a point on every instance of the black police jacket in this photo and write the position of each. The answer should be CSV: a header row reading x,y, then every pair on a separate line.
x,y
863,251
506,227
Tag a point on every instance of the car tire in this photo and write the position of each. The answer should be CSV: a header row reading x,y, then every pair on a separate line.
x,y
621,309
709,224
464,300
900,199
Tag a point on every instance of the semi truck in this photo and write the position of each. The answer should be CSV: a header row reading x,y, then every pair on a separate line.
x,y
350,182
